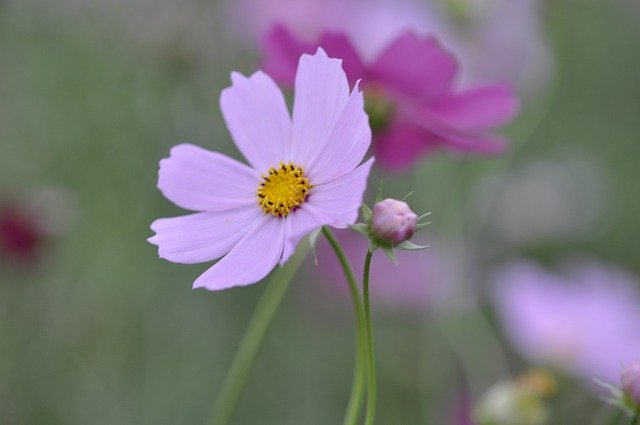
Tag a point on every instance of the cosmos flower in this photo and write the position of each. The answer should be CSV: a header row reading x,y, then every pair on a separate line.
x,y
411,96
303,174
584,321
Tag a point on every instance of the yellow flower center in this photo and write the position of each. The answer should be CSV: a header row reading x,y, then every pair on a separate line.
x,y
283,189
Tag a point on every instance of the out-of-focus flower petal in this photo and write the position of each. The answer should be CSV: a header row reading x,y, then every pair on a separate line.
x,y
200,237
257,117
197,179
322,91
403,144
478,108
415,66
346,145
340,199
281,53
250,260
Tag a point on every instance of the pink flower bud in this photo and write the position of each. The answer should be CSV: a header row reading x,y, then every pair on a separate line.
x,y
393,221
631,382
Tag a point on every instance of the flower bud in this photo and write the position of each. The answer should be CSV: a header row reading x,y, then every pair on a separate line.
x,y
392,221
631,383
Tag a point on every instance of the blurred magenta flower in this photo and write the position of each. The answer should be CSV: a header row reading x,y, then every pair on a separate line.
x,y
583,320
20,237
393,221
303,174
28,219
413,103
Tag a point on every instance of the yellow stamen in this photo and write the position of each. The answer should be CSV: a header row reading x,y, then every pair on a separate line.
x,y
283,189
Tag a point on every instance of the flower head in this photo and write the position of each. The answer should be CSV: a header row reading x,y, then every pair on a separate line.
x,y
414,104
392,221
631,383
303,174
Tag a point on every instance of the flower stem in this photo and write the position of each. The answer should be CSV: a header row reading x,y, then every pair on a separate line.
x,y
266,308
356,397
371,357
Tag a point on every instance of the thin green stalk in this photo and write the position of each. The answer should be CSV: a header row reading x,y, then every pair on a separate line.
x,y
245,356
356,397
371,357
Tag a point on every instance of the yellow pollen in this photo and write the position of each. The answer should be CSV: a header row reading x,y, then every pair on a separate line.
x,y
283,189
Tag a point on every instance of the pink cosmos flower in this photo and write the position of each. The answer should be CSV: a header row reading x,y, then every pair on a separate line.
x,y
303,174
584,321
411,96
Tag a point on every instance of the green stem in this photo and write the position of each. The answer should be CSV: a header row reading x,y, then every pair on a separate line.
x,y
238,372
636,417
356,397
371,357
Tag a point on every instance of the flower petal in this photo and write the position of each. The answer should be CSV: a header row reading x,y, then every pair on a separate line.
x,y
253,257
346,145
200,237
402,144
197,179
478,108
282,50
339,200
321,92
298,224
416,67
257,117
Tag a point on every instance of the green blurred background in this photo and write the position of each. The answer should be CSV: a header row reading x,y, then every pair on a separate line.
x,y
101,331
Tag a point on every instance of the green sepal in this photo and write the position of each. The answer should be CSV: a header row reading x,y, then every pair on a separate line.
x,y
361,228
379,193
390,253
410,246
407,196
422,225
366,212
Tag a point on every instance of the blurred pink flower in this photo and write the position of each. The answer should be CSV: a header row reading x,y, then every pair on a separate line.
x,y
304,173
495,39
426,280
413,104
584,320
20,237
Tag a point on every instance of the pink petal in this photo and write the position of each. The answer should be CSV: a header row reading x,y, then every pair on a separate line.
x,y
478,108
253,257
416,67
337,45
459,140
257,117
282,50
338,201
402,144
201,180
321,92
201,237
346,145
